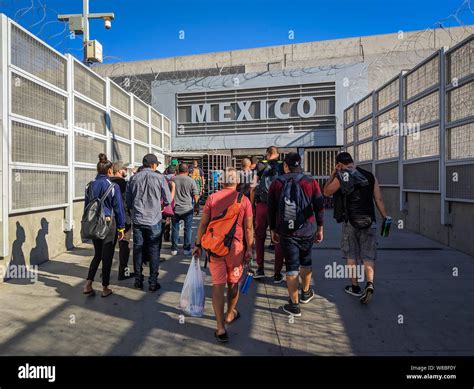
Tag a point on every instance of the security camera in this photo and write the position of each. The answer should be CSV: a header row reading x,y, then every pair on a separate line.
x,y
108,24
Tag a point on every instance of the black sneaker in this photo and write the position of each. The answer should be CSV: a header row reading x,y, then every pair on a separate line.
x,y
154,287
307,296
368,292
353,290
292,309
138,284
278,278
260,273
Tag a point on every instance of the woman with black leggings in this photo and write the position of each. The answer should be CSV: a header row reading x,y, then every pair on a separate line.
x,y
114,211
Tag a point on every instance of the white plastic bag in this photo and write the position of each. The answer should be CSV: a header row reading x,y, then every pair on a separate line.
x,y
192,296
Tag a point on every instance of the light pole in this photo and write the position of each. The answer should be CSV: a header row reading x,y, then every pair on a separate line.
x,y
79,25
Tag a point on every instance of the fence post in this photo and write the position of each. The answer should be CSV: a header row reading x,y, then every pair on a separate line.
x,y
69,222
442,136
5,128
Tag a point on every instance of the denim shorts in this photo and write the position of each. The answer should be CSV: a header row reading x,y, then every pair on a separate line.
x,y
297,252
359,244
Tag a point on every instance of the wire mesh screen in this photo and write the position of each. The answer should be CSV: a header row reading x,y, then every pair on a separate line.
x,y
122,151
460,102
156,119
387,122
459,182
388,95
37,102
38,188
119,99
350,150
422,144
89,84
387,148
364,129
364,107
422,78
140,132
89,117
120,125
350,134
140,152
87,148
156,138
364,151
460,142
349,116
37,145
34,57
82,176
387,173
461,62
166,125
421,176
166,142
424,110
140,110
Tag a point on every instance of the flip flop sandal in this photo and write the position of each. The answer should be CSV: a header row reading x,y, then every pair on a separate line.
x,y
223,338
236,317
89,293
107,295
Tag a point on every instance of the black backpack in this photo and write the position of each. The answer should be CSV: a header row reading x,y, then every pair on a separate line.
x,y
294,206
94,223
269,174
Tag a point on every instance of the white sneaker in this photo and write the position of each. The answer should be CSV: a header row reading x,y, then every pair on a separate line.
x,y
187,252
174,252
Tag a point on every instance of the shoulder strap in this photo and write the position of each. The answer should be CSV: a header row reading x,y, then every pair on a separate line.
x,y
239,197
107,192
299,177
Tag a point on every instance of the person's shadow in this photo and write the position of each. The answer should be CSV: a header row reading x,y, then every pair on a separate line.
x,y
40,253
17,260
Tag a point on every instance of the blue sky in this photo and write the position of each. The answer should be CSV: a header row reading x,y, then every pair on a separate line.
x,y
151,29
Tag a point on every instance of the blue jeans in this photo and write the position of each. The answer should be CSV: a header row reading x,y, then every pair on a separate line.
x,y
188,222
150,235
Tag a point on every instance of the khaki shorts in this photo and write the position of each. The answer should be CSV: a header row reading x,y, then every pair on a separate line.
x,y
359,244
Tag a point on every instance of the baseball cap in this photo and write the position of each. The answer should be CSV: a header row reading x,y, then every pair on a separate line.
x,y
150,159
174,162
292,159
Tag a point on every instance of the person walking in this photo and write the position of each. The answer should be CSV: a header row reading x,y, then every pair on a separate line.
x,y
296,216
197,174
114,212
246,178
229,268
120,173
267,171
355,190
185,192
144,193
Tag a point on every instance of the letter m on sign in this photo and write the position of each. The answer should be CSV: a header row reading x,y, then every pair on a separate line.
x,y
200,115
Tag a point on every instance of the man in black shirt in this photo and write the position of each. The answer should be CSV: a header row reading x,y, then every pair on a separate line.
x,y
355,190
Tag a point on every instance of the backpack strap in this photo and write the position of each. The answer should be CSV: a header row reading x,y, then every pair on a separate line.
x,y
107,192
239,197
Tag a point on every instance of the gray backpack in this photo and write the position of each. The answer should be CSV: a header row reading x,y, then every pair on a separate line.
x,y
94,223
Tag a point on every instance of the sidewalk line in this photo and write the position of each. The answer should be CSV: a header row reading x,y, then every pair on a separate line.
x,y
273,319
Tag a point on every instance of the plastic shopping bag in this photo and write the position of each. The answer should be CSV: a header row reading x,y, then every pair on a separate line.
x,y
192,296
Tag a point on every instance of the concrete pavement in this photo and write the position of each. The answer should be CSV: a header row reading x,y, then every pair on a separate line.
x,y
420,307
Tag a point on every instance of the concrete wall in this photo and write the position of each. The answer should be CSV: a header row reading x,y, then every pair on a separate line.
x,y
422,215
36,237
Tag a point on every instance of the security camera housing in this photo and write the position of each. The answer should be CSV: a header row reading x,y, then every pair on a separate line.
x,y
108,24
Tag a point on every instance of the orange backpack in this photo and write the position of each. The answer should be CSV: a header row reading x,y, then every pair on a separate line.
x,y
220,231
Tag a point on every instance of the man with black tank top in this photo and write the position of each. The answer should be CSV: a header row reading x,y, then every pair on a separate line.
x,y
355,191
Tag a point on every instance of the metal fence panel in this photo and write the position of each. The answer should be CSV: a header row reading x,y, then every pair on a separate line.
x,y
422,176
32,144
89,84
120,125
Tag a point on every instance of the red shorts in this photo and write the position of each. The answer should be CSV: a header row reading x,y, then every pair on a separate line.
x,y
228,268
